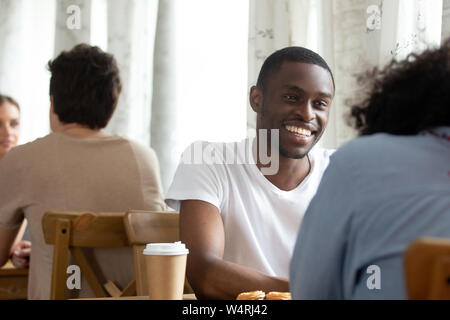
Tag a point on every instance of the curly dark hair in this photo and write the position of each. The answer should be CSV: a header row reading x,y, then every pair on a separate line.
x,y
85,85
5,98
406,97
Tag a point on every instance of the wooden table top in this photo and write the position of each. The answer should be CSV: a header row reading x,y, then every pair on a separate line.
x,y
9,270
13,282
189,296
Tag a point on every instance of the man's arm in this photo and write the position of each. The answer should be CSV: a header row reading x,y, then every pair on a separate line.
x,y
7,237
201,229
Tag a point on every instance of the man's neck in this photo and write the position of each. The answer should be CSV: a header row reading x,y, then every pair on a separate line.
x,y
291,172
78,131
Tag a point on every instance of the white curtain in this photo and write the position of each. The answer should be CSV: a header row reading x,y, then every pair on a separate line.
x,y
131,37
446,20
34,32
351,35
26,44
164,124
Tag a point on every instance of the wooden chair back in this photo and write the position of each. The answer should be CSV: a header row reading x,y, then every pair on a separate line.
x,y
72,231
427,269
144,227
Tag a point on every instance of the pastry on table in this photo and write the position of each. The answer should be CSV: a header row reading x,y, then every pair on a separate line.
x,y
261,295
252,295
278,296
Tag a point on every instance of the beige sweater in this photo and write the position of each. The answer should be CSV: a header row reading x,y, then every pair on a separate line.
x,y
59,172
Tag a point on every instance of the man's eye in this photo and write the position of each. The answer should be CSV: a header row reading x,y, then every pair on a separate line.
x,y
14,124
321,104
290,97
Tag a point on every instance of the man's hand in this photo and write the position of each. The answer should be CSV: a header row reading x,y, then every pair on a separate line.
x,y
20,254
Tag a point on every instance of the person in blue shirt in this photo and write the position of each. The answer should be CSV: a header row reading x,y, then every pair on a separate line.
x,y
382,190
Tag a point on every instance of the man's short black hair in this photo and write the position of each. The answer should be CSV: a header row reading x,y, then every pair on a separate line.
x,y
85,86
290,54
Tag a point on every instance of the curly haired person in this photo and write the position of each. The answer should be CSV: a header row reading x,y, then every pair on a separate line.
x,y
382,190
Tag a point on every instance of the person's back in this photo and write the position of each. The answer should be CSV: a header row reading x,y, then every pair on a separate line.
x,y
78,167
410,197
60,172
396,188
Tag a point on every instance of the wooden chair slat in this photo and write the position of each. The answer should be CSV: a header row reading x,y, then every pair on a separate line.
x,y
60,256
164,226
130,290
427,269
88,273
103,229
112,289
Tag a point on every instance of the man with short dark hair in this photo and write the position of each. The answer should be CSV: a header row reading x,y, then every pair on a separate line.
x,y
239,216
84,87
78,167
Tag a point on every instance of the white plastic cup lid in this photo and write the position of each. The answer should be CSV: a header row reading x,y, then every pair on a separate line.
x,y
166,249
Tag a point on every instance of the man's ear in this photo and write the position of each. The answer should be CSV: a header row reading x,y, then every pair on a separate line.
x,y
256,99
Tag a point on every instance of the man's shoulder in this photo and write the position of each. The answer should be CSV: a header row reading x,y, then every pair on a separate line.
x,y
27,155
140,149
32,146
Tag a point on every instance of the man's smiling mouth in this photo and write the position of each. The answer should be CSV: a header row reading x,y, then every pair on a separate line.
x,y
299,131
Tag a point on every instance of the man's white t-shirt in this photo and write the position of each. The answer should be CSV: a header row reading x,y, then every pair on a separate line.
x,y
260,221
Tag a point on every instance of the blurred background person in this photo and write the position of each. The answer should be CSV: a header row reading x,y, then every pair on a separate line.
x,y
78,167
9,124
9,137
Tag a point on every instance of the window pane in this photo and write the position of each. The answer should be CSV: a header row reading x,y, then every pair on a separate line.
x,y
212,43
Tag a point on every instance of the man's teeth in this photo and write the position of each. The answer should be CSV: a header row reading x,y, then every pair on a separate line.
x,y
299,131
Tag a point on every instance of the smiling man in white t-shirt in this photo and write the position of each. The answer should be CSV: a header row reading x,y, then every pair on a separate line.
x,y
239,217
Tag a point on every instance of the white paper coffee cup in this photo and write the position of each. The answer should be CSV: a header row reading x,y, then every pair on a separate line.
x,y
166,270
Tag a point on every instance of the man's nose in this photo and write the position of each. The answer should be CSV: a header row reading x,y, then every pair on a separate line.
x,y
306,111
